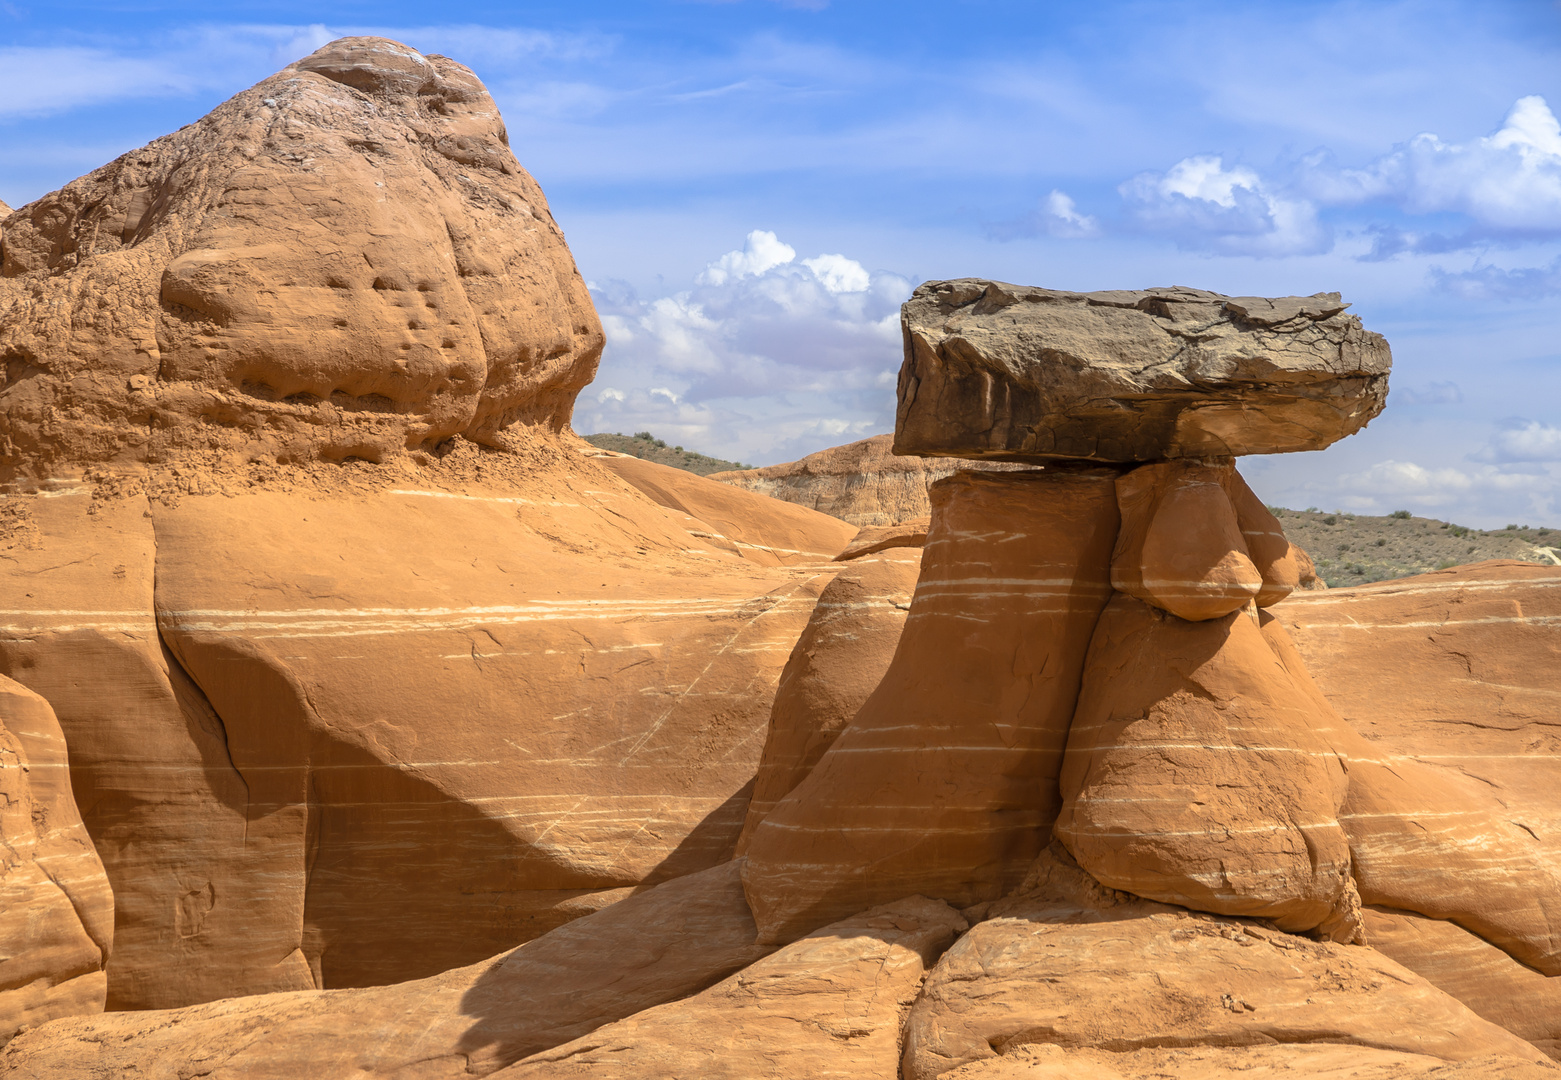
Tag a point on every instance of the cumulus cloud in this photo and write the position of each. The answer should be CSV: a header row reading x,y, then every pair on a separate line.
x,y
1232,210
1509,181
762,251
765,356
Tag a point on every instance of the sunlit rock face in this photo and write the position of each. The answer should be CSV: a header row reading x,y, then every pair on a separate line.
x,y
345,260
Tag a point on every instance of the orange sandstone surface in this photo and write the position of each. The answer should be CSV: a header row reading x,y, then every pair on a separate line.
x,y
358,720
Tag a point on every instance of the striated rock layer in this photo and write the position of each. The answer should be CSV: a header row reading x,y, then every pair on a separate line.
x,y
56,907
944,782
329,607
660,945
1015,372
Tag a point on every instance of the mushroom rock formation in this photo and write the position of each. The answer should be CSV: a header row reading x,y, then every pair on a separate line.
x,y
838,661
329,605
660,945
944,783
830,1004
1006,371
56,908
864,483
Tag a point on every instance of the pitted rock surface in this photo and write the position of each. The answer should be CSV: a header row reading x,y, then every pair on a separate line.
x,y
1018,373
344,261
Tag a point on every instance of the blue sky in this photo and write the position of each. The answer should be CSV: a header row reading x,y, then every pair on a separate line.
x,y
752,188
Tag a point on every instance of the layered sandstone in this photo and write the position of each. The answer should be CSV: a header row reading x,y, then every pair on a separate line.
x,y
831,1004
834,668
660,945
1008,371
865,482
360,621
947,774
56,908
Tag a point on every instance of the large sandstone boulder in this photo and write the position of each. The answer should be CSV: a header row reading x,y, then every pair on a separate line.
x,y
56,908
1194,774
944,783
863,482
329,608
1008,371
659,945
829,1005
344,261
1062,963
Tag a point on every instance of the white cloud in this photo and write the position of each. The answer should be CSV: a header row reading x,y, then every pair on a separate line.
x,y
1487,282
40,81
839,274
765,357
1523,440
1510,180
1231,210
608,393
1062,217
762,251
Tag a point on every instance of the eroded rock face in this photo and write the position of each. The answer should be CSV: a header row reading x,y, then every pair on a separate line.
x,y
659,945
828,1005
836,665
1132,978
863,482
946,775
343,261
1018,373
56,908
1194,775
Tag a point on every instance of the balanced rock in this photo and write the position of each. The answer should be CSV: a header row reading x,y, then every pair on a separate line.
x,y
56,908
344,261
1007,371
944,783
660,945
829,1005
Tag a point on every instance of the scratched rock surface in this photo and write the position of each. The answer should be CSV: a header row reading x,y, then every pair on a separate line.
x,y
546,689
1064,964
1311,1061
1009,371
1450,714
830,1004
660,945
863,482
343,261
835,666
1475,972
56,908
947,774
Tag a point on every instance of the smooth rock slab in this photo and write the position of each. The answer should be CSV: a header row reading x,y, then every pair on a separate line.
x,y
1016,372
828,1005
659,945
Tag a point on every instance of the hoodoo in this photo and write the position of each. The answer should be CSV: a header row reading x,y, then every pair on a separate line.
x,y
383,691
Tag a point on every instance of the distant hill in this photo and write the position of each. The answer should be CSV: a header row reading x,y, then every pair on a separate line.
x,y
1352,549
643,444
